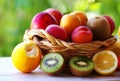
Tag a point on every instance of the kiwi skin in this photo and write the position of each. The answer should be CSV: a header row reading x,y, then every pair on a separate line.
x,y
82,73
100,27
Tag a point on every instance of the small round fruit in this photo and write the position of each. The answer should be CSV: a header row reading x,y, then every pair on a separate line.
x,y
81,65
57,31
69,22
111,23
42,20
82,17
118,32
116,47
52,63
118,63
100,27
26,56
82,34
105,62
56,13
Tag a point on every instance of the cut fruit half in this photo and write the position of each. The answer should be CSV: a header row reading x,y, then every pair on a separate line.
x,y
81,65
105,61
52,63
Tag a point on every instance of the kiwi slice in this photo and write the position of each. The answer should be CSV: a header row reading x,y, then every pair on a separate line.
x,y
81,65
52,63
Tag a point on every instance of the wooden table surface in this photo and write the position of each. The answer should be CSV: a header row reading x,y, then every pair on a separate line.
x,y
9,73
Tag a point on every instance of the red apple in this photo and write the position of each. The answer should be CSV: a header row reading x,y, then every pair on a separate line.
x,y
42,20
82,34
56,13
111,23
57,31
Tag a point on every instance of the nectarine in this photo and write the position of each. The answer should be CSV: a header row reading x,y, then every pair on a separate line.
x,y
56,13
57,31
82,34
42,20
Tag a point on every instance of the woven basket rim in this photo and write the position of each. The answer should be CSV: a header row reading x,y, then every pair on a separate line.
x,y
49,43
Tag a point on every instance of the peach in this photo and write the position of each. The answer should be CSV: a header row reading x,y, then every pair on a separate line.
x,y
100,27
82,16
111,23
57,31
69,22
42,20
56,13
82,34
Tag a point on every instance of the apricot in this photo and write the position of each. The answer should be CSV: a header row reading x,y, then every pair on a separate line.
x,y
69,22
82,16
100,27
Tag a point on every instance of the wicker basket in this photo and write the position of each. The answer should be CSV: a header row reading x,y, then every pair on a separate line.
x,y
48,43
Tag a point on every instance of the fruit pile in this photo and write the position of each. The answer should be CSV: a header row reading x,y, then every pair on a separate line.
x,y
74,27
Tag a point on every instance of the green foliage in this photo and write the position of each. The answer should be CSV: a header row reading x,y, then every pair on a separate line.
x,y
16,15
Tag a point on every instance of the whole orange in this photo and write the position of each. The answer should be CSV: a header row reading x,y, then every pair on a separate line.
x,y
69,22
26,56
82,16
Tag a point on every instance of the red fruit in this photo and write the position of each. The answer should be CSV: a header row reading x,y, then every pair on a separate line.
x,y
42,20
57,32
82,34
111,22
56,13
118,63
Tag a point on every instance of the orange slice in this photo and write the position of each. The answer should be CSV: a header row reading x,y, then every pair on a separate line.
x,y
105,61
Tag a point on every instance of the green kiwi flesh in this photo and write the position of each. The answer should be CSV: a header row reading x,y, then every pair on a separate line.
x,y
81,65
52,63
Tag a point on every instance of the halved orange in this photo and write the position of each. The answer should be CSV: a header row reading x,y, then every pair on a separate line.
x,y
105,61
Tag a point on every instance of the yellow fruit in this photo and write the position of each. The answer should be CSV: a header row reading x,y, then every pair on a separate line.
x,y
116,47
105,61
69,22
26,56
82,16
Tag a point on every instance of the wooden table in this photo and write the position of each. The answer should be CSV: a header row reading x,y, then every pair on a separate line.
x,y
9,73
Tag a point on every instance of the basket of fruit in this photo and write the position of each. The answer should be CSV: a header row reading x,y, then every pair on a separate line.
x,y
69,41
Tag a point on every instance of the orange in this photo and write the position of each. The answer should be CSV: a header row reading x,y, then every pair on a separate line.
x,y
105,61
82,16
69,22
26,56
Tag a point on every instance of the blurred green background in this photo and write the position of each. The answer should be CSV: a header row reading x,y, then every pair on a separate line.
x,y
16,15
